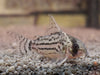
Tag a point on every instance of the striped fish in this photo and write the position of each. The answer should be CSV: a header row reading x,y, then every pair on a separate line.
x,y
54,43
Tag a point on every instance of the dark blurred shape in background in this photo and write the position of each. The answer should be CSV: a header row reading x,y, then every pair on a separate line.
x,y
93,13
80,12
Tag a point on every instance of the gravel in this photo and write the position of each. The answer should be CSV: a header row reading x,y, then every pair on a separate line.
x,y
13,63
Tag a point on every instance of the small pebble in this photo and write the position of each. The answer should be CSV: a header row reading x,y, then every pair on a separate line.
x,y
25,66
11,69
1,62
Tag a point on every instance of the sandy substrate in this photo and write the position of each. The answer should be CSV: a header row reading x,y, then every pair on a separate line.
x,y
11,62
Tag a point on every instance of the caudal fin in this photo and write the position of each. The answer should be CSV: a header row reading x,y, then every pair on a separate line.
x,y
22,42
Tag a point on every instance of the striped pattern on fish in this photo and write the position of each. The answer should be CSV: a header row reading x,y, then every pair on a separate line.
x,y
55,41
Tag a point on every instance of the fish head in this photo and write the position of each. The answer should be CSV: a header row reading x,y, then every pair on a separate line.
x,y
78,48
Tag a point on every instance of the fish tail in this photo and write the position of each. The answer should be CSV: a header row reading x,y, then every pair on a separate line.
x,y
24,44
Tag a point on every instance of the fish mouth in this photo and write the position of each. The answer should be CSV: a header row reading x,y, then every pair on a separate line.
x,y
84,52
79,54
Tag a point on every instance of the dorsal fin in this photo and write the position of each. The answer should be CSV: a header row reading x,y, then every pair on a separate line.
x,y
53,26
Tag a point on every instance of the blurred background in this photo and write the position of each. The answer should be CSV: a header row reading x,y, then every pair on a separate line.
x,y
69,13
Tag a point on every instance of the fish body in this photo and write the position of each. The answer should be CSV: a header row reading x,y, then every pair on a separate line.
x,y
55,41
52,44
55,44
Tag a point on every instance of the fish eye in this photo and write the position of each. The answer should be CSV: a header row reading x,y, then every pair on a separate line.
x,y
75,49
75,46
